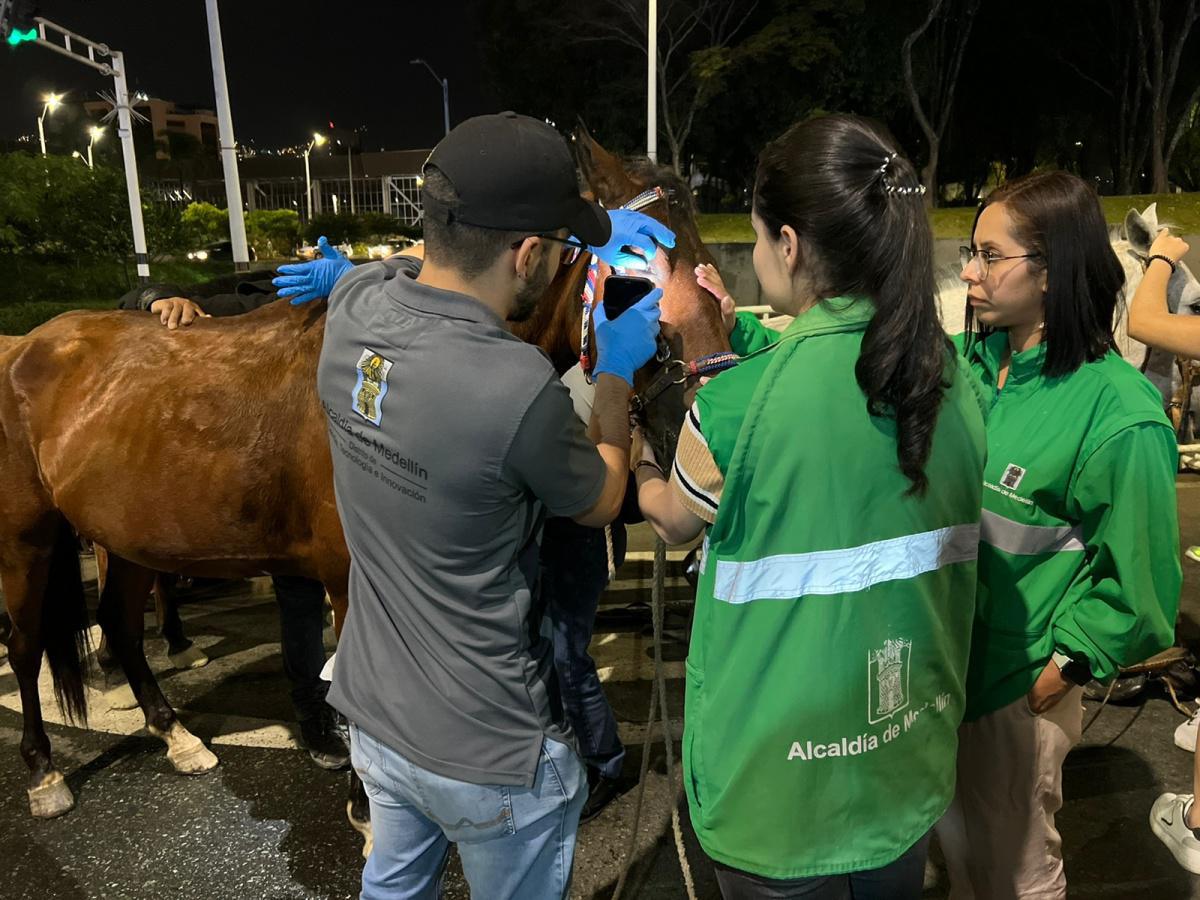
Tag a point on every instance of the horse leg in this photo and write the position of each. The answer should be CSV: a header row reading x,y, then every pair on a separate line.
x,y
25,595
358,809
104,655
122,617
182,653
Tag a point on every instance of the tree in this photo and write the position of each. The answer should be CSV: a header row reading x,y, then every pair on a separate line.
x,y
1134,56
206,223
1159,78
694,40
952,21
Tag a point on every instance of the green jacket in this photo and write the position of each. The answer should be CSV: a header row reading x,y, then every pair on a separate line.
x,y
1080,541
826,673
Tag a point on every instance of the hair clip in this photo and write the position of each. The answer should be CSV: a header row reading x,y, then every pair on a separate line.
x,y
887,161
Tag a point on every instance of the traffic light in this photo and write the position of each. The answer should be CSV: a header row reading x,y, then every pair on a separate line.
x,y
17,23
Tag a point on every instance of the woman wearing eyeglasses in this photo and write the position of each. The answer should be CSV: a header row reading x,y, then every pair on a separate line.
x,y
1078,564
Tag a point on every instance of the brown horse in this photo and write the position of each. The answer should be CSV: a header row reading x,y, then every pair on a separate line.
x,y
204,452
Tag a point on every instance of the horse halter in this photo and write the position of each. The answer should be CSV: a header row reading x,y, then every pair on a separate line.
x,y
672,371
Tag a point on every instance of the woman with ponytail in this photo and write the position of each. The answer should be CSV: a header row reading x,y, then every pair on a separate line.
x,y
837,469
1079,560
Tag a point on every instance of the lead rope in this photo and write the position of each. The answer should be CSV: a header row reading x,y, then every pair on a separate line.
x,y
608,549
658,698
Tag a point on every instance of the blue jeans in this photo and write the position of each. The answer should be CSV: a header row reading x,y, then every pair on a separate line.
x,y
514,842
301,625
574,573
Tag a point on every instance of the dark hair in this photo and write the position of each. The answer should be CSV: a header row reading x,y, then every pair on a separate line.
x,y
1058,216
855,202
468,249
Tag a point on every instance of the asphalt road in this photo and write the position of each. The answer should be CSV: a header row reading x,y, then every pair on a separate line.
x,y
267,823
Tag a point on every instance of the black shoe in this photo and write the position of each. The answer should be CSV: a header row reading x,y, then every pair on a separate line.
x,y
601,792
324,741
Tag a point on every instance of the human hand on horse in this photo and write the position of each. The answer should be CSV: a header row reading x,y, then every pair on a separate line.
x,y
312,280
1168,245
176,311
628,342
710,279
637,231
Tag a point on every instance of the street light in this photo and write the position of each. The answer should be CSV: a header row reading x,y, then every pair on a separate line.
x,y
318,140
94,133
52,102
445,83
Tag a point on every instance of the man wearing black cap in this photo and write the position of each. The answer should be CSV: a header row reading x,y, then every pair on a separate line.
x,y
451,439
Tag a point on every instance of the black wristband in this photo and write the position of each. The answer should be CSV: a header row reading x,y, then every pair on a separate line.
x,y
645,462
1170,262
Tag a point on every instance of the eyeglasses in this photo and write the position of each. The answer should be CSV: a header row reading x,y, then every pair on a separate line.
x,y
570,251
986,258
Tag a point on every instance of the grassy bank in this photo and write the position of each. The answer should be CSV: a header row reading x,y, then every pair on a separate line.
x,y
954,223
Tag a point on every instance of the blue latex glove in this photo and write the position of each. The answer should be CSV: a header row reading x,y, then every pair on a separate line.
x,y
312,280
627,343
633,229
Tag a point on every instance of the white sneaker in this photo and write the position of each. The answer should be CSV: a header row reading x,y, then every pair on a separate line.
x,y
1169,823
1185,734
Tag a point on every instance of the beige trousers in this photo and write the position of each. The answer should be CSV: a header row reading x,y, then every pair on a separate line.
x,y
998,836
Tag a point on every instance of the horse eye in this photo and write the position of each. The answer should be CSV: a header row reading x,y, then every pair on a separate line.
x,y
1195,308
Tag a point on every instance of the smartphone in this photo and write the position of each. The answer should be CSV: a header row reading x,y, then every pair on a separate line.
x,y
622,292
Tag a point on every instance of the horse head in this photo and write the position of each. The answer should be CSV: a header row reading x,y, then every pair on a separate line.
x,y
691,317
1138,232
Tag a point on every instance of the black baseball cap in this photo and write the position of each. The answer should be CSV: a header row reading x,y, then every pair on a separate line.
x,y
516,173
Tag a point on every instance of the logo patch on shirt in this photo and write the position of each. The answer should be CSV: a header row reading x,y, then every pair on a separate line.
x,y
887,679
1012,476
371,386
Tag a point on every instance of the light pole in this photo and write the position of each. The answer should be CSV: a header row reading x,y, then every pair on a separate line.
x,y
445,83
94,135
85,51
318,140
229,165
52,102
652,83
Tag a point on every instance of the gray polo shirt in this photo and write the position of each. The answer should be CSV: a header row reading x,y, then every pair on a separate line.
x,y
451,439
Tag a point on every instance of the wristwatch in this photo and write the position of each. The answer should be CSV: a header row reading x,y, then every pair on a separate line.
x,y
1074,670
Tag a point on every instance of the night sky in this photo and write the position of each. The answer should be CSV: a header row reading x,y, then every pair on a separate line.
x,y
292,67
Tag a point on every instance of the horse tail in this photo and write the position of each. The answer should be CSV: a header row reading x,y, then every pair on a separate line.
x,y
65,625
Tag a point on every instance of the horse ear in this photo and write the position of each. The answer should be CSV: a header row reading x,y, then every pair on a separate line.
x,y
1138,230
601,170
1150,214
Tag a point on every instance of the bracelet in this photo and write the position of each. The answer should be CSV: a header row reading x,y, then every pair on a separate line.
x,y
646,462
1170,262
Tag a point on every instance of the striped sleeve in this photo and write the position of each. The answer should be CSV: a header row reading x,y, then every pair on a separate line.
x,y
697,480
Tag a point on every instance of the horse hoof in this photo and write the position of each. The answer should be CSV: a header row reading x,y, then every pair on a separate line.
x,y
51,798
363,827
185,751
121,697
195,761
191,657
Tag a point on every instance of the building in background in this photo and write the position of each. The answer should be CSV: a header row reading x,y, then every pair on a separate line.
x,y
385,181
165,119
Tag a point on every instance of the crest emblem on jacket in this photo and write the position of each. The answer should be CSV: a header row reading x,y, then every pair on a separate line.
x,y
371,385
1012,476
887,679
